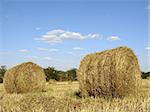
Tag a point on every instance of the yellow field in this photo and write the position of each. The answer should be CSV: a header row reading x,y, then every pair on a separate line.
x,y
60,97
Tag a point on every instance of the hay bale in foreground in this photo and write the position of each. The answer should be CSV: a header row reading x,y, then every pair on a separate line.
x,y
23,78
111,73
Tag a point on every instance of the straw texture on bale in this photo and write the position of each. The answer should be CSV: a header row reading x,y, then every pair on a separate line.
x,y
24,78
111,73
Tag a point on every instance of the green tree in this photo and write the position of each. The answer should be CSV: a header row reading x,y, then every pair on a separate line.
x,y
2,72
58,75
51,73
62,75
71,74
145,75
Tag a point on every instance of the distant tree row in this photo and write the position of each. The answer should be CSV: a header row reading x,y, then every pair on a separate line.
x,y
2,72
145,75
52,73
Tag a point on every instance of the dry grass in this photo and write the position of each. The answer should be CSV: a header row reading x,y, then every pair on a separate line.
x,y
60,97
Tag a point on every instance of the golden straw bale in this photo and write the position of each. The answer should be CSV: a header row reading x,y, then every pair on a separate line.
x,y
111,73
23,78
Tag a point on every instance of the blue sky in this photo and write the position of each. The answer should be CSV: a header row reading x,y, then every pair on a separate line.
x,y
60,33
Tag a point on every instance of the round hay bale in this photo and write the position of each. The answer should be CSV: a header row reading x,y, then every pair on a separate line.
x,y
111,73
23,78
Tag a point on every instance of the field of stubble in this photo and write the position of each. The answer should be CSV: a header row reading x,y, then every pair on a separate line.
x,y
60,97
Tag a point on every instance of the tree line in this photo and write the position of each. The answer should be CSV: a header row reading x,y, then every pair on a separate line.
x,y
145,75
59,75
52,73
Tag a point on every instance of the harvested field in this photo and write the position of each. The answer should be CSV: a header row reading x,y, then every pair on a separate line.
x,y
60,97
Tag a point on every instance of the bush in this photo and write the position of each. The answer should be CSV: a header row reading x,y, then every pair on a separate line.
x,y
145,75
2,72
51,73
72,74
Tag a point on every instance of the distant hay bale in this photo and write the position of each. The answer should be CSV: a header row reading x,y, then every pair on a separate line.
x,y
113,73
23,78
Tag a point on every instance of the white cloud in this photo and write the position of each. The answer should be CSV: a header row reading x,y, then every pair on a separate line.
x,y
24,51
147,48
148,7
37,28
70,53
78,48
113,38
46,49
58,36
93,36
72,35
47,58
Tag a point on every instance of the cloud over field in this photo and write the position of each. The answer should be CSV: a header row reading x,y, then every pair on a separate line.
x,y
147,48
78,48
113,38
23,50
47,49
59,35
